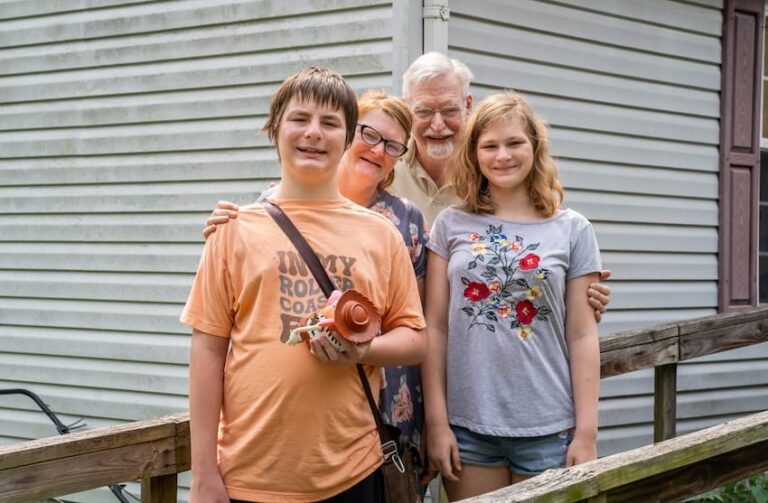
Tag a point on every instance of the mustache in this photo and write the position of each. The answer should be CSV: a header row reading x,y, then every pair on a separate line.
x,y
446,131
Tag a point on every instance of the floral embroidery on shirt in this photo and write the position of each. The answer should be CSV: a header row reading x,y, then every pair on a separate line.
x,y
509,290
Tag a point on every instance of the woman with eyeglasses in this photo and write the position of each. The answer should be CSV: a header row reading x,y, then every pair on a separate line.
x,y
365,171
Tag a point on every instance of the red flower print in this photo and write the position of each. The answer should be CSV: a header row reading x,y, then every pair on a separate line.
x,y
402,409
530,261
526,312
474,236
476,291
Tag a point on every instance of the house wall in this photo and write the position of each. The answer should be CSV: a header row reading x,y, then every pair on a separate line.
x,y
121,125
632,94
122,122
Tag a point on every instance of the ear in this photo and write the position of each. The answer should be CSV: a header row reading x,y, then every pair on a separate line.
x,y
468,105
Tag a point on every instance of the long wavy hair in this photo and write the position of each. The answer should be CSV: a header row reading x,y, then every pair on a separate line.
x,y
471,185
393,107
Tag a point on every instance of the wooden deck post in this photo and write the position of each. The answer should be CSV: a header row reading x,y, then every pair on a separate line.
x,y
159,489
665,402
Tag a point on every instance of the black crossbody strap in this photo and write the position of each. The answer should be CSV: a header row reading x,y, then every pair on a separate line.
x,y
318,271
327,286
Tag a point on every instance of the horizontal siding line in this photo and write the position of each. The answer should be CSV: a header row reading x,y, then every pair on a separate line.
x,y
691,396
583,39
620,106
606,191
632,136
158,369
53,330
107,126
628,18
74,298
185,333
133,153
703,5
267,84
271,85
84,9
619,164
303,14
249,181
137,159
198,59
271,50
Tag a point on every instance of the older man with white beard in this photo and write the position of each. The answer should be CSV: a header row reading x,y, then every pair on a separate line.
x,y
436,88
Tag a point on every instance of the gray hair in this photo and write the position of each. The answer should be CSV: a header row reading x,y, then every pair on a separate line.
x,y
435,64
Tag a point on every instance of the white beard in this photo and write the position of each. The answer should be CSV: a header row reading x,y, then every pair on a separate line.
x,y
439,150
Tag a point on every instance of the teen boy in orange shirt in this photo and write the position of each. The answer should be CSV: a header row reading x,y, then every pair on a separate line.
x,y
272,422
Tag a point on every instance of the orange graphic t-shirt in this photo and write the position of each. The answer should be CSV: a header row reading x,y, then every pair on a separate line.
x,y
292,428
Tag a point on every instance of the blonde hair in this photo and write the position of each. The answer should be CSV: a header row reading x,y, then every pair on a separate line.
x,y
395,108
471,185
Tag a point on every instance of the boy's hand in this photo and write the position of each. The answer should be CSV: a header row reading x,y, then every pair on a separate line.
x,y
599,295
208,489
326,353
220,215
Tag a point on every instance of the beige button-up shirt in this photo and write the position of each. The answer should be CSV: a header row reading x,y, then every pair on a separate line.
x,y
412,182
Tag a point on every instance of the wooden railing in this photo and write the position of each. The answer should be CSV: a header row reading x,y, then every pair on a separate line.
x,y
158,449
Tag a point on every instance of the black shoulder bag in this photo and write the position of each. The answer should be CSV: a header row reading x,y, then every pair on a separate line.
x,y
399,473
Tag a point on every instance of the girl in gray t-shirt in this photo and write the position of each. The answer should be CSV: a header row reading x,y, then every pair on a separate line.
x,y
511,377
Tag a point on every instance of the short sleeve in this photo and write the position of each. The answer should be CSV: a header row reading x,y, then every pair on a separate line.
x,y
585,253
438,235
210,306
403,302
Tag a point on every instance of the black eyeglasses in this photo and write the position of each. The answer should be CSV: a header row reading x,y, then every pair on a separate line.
x,y
372,137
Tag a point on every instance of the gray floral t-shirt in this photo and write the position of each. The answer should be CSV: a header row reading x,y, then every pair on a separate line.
x,y
508,369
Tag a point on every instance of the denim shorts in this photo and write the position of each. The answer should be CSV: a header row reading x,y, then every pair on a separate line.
x,y
523,455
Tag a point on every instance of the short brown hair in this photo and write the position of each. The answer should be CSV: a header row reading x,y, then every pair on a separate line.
x,y
321,85
544,187
394,107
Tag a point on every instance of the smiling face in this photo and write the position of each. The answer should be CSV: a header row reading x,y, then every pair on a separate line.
x,y
366,166
310,142
436,135
505,155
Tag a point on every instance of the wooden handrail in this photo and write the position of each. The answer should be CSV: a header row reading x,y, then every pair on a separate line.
x,y
49,467
666,471
157,449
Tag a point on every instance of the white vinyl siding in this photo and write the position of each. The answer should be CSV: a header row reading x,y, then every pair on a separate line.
x,y
122,123
631,91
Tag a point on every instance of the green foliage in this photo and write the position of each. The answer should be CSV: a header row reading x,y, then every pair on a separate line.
x,y
751,490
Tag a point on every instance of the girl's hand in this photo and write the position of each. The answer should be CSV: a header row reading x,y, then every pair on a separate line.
x,y
443,453
208,489
580,451
222,214
599,295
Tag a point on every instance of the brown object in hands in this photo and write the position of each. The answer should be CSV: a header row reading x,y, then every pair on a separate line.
x,y
356,318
